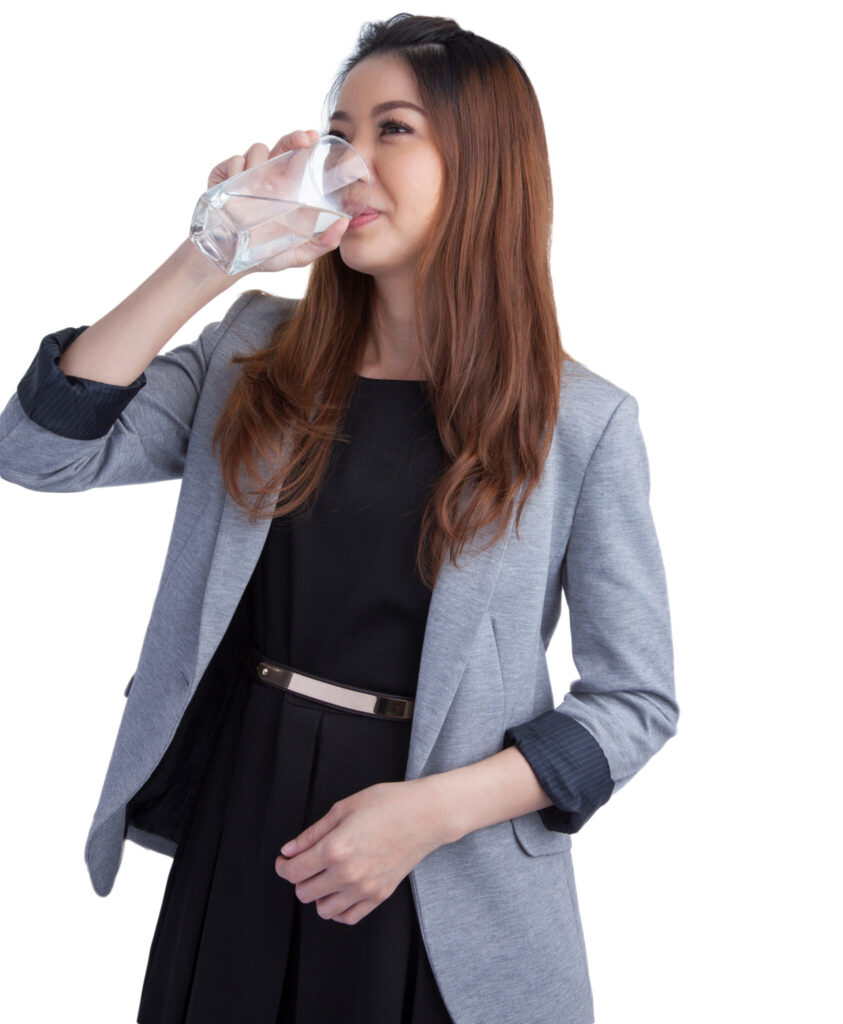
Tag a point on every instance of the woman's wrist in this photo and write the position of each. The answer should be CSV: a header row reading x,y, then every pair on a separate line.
x,y
206,275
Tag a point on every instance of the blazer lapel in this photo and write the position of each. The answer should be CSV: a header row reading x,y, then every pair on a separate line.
x,y
458,602
237,547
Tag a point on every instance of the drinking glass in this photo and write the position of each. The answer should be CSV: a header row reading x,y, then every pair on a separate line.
x,y
292,198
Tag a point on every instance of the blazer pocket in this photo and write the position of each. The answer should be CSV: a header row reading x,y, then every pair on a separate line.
x,y
535,838
126,691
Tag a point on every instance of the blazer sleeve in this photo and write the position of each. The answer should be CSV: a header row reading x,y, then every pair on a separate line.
x,y
64,433
622,709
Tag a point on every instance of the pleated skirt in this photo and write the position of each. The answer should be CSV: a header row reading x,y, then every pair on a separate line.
x,y
233,944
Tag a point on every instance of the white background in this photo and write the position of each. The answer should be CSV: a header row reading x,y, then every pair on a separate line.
x,y
696,156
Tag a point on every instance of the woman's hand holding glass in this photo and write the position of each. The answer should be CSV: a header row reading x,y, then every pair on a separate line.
x,y
303,253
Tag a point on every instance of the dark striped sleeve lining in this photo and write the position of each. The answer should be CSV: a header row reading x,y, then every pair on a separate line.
x,y
71,406
569,764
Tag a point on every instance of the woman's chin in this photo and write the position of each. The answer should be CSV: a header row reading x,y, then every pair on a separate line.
x,y
354,257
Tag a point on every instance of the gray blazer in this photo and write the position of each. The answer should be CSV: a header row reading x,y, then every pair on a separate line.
x,y
498,909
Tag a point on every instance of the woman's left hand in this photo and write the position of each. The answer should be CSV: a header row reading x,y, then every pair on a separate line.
x,y
353,858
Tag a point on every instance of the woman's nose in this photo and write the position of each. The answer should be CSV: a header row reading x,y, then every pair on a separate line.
x,y
373,177
364,147
352,180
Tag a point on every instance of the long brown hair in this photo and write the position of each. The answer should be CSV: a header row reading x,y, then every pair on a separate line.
x,y
484,307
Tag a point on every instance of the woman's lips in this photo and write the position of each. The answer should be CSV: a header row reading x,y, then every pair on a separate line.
x,y
363,218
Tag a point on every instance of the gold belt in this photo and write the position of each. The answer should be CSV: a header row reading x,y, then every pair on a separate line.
x,y
368,702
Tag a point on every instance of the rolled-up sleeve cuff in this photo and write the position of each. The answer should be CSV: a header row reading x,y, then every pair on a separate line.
x,y
569,764
73,407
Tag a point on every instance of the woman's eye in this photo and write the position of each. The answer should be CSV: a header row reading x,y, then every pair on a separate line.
x,y
393,124
381,124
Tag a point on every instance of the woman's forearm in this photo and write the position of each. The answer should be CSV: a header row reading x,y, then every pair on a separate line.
x,y
476,795
119,346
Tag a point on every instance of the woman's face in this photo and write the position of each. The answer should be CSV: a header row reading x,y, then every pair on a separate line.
x,y
404,165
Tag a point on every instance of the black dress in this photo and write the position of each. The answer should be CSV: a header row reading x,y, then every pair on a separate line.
x,y
336,594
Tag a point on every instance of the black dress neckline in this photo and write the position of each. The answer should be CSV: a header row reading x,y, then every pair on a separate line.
x,y
388,380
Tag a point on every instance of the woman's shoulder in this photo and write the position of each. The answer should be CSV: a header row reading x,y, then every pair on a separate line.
x,y
587,401
584,389
257,313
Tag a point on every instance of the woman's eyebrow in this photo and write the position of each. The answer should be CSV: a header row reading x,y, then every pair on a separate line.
x,y
341,115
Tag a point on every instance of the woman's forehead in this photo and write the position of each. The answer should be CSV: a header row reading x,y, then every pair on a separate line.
x,y
377,79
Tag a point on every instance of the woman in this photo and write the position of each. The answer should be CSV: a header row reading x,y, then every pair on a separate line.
x,y
415,403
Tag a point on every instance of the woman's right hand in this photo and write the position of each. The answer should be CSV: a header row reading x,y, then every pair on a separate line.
x,y
305,252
